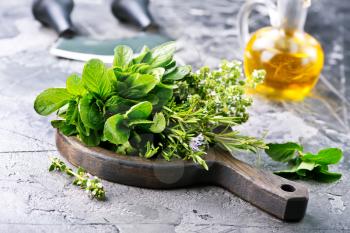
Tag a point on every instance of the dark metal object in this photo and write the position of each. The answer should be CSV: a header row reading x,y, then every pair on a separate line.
x,y
55,14
135,12
282,198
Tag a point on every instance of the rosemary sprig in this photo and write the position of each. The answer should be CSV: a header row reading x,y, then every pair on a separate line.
x,y
93,186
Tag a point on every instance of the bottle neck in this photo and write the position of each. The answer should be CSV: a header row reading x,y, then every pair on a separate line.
x,y
292,14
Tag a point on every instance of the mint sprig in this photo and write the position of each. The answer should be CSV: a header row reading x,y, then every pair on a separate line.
x,y
305,165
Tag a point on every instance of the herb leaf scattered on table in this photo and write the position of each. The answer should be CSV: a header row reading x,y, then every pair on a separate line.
x,y
148,105
93,186
305,165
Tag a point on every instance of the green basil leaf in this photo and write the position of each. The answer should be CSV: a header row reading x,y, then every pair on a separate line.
x,y
159,123
136,86
122,56
96,78
325,157
139,111
163,54
283,152
89,113
115,130
50,100
75,86
178,74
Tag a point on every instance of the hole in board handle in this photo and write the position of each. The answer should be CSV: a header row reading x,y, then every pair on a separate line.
x,y
287,188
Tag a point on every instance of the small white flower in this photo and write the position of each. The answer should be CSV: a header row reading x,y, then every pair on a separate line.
x,y
196,142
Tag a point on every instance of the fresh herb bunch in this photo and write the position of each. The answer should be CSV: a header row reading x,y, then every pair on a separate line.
x,y
149,106
93,186
305,165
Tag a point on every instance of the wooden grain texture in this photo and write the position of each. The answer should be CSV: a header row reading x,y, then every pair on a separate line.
x,y
277,196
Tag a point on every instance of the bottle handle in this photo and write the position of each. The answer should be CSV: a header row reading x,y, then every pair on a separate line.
x,y
243,18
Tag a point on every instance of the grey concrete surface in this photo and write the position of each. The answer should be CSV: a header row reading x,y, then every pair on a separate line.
x,y
33,200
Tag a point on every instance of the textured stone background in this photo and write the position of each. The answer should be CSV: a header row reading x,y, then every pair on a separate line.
x,y
33,200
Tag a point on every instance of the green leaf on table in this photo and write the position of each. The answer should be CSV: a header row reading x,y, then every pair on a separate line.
x,y
159,123
122,56
116,130
325,157
95,78
323,175
178,74
89,113
283,152
163,54
141,110
136,86
75,86
51,100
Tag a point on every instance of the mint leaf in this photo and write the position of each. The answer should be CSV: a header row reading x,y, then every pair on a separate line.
x,y
122,56
93,139
90,114
163,54
325,157
143,53
283,152
178,74
51,100
157,73
95,78
324,175
137,86
162,94
139,111
117,104
159,123
75,86
115,130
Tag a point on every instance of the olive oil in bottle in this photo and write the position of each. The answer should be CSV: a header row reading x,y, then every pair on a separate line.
x,y
292,60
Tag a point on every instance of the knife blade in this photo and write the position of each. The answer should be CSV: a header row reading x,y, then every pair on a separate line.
x,y
70,45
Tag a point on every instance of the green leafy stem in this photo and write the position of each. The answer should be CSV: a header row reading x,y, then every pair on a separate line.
x,y
305,165
93,186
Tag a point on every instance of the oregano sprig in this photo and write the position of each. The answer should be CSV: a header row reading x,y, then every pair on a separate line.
x,y
82,179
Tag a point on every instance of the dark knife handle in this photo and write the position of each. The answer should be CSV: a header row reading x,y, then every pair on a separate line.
x,y
55,14
135,12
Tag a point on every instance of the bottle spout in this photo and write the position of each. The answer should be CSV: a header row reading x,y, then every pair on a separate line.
x,y
293,13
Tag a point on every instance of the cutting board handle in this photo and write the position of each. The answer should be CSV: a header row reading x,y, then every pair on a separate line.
x,y
280,197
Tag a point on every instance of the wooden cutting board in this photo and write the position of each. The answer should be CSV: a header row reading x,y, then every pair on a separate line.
x,y
277,196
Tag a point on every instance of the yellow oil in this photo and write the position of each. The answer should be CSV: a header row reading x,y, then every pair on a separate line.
x,y
293,62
